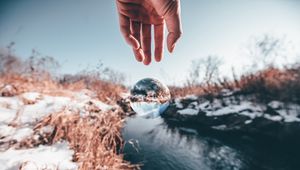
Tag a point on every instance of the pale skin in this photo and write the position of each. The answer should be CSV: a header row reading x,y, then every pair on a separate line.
x,y
138,17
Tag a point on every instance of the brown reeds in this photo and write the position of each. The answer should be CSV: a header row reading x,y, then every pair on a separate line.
x,y
95,138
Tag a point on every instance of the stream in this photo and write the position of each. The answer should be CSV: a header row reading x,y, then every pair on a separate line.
x,y
157,144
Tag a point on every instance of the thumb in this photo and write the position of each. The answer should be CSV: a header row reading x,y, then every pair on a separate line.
x,y
173,22
170,10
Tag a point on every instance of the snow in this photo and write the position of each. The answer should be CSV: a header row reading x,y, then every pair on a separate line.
x,y
22,133
6,115
17,120
32,96
33,113
236,109
252,115
226,92
82,96
8,108
275,104
191,97
273,118
188,111
289,115
101,105
82,100
47,129
248,121
244,107
10,102
6,130
193,105
178,103
57,156
203,105
215,109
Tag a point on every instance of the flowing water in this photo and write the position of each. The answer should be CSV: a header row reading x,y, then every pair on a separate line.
x,y
159,145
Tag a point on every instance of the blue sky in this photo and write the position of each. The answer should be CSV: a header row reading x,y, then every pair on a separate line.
x,y
80,33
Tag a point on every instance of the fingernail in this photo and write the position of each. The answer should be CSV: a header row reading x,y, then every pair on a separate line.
x,y
158,58
147,61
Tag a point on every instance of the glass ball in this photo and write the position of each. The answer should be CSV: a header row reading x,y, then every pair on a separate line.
x,y
149,97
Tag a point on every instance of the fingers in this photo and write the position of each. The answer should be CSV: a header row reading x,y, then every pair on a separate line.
x,y
133,15
174,29
125,29
139,54
146,43
136,31
158,36
173,22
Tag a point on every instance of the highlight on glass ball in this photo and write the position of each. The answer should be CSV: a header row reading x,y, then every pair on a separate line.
x,y
149,98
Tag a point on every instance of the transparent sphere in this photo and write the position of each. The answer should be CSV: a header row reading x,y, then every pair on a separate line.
x,y
149,97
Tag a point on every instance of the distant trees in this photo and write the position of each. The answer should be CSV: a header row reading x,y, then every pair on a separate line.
x,y
36,64
9,62
40,67
265,51
204,70
274,73
269,50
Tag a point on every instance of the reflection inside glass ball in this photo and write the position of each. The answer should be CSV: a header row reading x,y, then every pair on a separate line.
x,y
149,98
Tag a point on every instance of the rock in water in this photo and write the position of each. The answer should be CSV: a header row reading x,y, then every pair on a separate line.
x,y
149,98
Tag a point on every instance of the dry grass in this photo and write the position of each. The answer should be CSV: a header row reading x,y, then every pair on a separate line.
x,y
23,84
186,90
106,91
95,138
272,84
268,84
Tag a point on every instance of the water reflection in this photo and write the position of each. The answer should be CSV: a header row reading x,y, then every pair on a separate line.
x,y
165,147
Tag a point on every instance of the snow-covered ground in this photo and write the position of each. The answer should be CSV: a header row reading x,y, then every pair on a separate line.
x,y
245,107
57,156
18,116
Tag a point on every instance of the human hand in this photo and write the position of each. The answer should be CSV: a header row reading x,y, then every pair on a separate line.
x,y
136,18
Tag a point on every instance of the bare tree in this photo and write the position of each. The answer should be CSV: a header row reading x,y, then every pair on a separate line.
x,y
204,71
9,63
109,74
268,51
